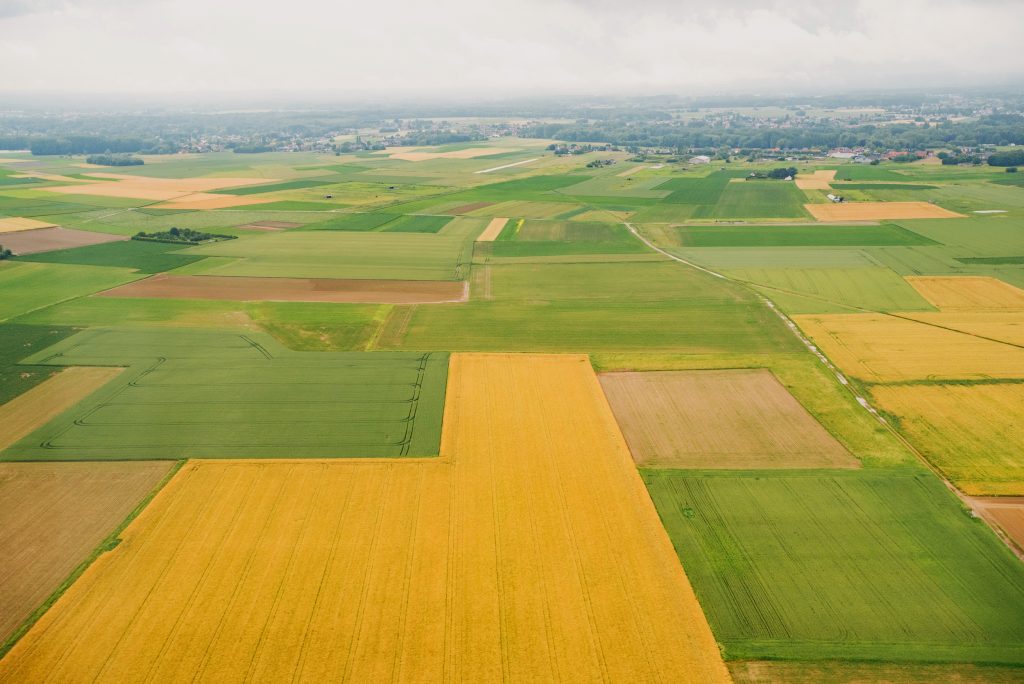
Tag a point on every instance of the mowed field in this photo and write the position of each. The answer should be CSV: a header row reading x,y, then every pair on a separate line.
x,y
54,515
844,565
973,433
531,552
734,419
196,393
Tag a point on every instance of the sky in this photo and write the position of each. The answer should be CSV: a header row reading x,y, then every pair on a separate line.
x,y
524,47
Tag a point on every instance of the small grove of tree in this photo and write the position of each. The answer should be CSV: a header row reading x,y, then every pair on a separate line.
x,y
180,235
114,160
1008,158
780,173
5,253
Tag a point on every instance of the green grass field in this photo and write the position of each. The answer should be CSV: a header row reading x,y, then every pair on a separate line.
x,y
29,286
758,199
834,290
21,341
798,236
858,566
191,394
144,257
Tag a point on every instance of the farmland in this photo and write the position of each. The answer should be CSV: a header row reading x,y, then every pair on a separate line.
x,y
415,388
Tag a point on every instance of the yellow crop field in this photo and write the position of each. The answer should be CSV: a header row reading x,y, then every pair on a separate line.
x,y
878,211
1002,326
493,230
819,180
14,224
968,293
529,551
974,433
881,348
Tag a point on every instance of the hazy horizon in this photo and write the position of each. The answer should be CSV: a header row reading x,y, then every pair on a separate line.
x,y
463,49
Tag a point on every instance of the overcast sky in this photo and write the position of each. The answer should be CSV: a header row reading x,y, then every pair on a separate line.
x,y
417,47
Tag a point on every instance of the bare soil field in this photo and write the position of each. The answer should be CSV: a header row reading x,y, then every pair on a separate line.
x,y
49,239
33,409
530,551
245,289
144,187
819,180
14,224
1007,512
729,419
468,153
968,293
270,225
493,230
880,348
878,211
54,515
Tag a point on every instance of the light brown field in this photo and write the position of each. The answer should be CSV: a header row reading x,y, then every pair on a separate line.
x,y
493,230
179,189
878,211
1007,512
968,293
49,239
14,224
880,348
54,515
819,180
36,407
529,551
206,200
630,172
736,419
973,433
469,153
466,208
245,289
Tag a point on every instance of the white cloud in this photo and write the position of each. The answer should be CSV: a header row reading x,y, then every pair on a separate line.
x,y
530,46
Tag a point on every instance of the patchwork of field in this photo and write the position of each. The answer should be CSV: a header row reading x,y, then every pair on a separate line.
x,y
973,433
530,552
293,289
194,393
54,515
862,565
878,211
50,239
881,348
732,419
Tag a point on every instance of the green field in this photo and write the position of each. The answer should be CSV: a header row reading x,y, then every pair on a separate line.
x,y
144,257
28,286
797,236
18,342
195,394
834,290
858,566
758,199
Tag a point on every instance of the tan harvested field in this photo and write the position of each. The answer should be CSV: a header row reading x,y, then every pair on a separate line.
x,y
279,225
880,348
36,407
631,171
14,224
180,189
469,153
493,230
734,419
968,293
1007,512
54,515
767,672
49,239
819,180
529,551
878,211
244,289
206,200
466,208
1003,326
973,433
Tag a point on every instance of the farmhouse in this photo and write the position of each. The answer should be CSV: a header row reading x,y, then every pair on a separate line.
x,y
700,159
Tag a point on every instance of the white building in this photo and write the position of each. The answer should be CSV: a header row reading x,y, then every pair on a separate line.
x,y
700,159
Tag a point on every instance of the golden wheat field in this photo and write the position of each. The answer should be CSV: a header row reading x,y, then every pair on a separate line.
x,y
878,211
819,180
974,433
968,293
529,551
881,348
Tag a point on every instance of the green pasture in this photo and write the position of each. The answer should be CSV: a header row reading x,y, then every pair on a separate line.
x,y
833,290
863,565
191,394
18,342
805,235
758,199
144,257
29,286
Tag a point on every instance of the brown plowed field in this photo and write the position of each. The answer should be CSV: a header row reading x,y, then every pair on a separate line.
x,y
493,230
53,516
36,407
736,419
878,211
530,551
1005,511
49,239
245,289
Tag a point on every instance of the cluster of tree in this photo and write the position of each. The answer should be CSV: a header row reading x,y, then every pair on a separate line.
x,y
780,173
1008,158
114,160
181,236
86,144
5,253
440,138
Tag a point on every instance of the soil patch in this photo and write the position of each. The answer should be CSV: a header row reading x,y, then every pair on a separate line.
x,y
50,239
493,230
